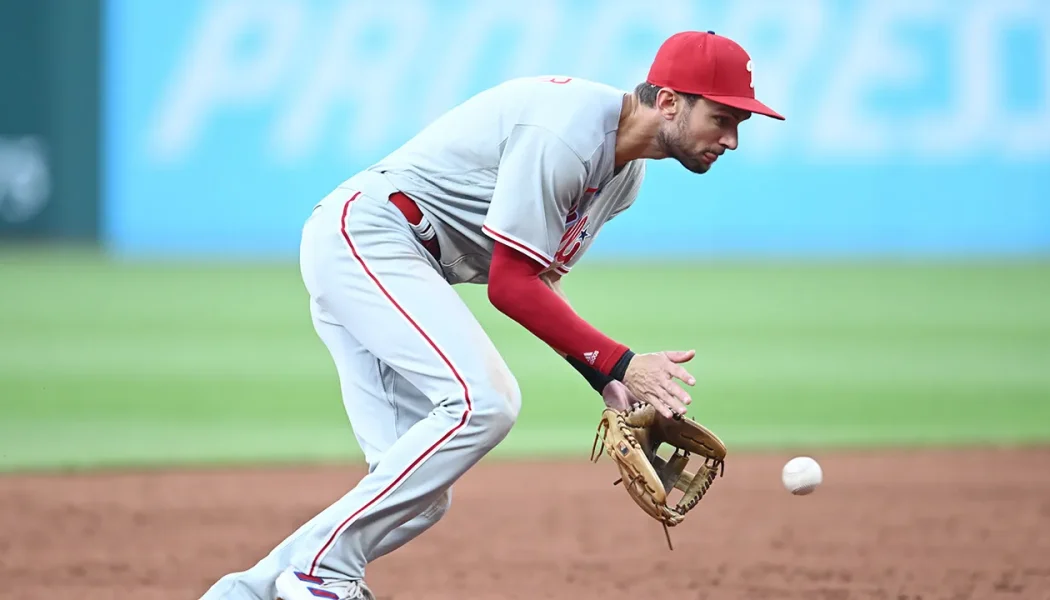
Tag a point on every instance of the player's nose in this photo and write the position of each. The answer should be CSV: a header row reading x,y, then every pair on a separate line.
x,y
729,141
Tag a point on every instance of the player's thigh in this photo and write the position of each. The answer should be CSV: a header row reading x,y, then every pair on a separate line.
x,y
380,285
365,387
411,405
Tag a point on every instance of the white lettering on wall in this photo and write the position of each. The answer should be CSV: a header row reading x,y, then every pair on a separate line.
x,y
799,26
463,47
212,74
599,37
956,130
873,59
344,75
1022,134
319,83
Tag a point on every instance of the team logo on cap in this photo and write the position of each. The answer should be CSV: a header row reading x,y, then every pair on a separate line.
x,y
751,70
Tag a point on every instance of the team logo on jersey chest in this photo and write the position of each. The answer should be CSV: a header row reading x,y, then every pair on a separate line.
x,y
572,240
575,230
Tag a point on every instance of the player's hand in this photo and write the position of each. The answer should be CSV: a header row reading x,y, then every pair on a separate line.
x,y
618,397
651,378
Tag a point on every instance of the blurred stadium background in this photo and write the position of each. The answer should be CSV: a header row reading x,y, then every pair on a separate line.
x,y
873,271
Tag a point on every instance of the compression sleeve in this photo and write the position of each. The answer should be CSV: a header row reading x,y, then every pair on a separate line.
x,y
516,290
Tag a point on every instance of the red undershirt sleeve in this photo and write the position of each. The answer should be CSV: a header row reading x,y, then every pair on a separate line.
x,y
516,290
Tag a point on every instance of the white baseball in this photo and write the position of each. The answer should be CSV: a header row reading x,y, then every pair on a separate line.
x,y
802,475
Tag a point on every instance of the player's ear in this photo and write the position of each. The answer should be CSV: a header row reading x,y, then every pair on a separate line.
x,y
668,102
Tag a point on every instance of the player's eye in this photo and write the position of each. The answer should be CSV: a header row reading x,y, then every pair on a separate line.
x,y
721,121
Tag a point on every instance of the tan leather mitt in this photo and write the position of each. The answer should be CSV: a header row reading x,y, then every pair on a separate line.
x,y
633,437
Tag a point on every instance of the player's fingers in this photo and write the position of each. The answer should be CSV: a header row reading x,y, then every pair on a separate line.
x,y
679,356
681,374
676,397
663,409
657,401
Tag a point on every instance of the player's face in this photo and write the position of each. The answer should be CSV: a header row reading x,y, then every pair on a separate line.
x,y
700,133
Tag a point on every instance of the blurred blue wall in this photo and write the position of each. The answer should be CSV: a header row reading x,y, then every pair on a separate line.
x,y
915,127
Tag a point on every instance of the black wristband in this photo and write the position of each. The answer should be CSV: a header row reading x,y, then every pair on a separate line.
x,y
596,378
619,370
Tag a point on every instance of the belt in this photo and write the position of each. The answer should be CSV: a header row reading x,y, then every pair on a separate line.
x,y
418,221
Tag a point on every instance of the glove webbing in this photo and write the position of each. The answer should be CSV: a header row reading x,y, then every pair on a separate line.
x,y
673,474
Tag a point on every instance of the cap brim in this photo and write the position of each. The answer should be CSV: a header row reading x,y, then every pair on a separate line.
x,y
745,103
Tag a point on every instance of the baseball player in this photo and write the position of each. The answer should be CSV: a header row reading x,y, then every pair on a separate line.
x,y
509,188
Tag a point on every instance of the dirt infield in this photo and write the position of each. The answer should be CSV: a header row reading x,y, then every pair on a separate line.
x,y
895,526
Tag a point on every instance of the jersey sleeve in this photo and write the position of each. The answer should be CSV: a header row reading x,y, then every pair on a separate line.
x,y
620,193
539,177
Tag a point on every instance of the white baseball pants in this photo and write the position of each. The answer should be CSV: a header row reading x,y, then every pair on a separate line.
x,y
426,392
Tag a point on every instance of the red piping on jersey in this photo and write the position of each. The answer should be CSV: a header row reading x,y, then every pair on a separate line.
x,y
516,290
433,448
504,239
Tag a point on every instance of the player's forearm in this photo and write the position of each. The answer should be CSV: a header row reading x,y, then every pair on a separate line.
x,y
594,377
553,281
517,290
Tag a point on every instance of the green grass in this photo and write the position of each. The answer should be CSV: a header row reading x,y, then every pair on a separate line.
x,y
110,364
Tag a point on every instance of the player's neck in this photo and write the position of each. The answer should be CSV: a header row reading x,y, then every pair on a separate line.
x,y
636,134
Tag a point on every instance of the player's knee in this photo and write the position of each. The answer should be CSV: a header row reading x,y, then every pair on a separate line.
x,y
496,408
496,417
439,507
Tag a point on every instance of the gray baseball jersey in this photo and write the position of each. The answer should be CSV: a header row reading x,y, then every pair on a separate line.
x,y
529,162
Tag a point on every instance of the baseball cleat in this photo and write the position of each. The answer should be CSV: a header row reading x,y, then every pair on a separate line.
x,y
296,585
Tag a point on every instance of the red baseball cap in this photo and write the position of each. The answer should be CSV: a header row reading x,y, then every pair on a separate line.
x,y
708,65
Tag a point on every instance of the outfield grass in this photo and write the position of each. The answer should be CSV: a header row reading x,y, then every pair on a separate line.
x,y
105,364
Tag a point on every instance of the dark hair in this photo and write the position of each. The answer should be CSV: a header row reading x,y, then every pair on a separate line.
x,y
646,93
